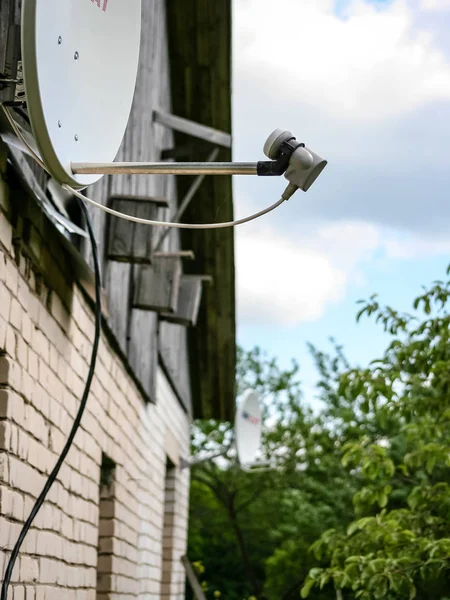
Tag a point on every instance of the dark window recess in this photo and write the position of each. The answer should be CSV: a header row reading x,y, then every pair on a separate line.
x,y
168,530
106,528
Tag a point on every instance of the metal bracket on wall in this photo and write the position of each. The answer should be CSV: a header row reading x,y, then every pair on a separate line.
x,y
200,132
186,200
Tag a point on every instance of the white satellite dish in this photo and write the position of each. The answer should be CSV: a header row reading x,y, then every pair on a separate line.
x,y
247,437
247,428
80,60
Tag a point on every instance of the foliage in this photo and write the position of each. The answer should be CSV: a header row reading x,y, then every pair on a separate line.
x,y
359,503
242,524
399,544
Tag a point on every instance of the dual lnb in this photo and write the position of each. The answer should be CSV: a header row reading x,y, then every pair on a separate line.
x,y
300,165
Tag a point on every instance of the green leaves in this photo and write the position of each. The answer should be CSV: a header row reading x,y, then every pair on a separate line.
x,y
382,440
394,424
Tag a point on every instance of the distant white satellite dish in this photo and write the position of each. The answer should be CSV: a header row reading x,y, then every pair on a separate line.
x,y
80,60
247,437
247,428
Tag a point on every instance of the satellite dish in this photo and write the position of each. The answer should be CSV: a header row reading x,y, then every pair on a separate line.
x,y
80,60
247,427
247,437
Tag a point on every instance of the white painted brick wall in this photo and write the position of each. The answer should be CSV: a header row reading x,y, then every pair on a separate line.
x,y
44,356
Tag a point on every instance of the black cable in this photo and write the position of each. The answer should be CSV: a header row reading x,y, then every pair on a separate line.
x,y
53,475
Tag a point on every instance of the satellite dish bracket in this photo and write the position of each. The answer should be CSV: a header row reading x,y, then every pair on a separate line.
x,y
262,168
184,463
257,467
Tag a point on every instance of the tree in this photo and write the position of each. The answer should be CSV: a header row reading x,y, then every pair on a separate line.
x,y
395,441
242,524
359,504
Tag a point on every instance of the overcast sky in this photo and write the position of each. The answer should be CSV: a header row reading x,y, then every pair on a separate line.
x,y
365,84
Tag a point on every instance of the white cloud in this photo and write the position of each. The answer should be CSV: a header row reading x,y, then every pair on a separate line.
x,y
370,65
415,248
363,89
283,281
435,4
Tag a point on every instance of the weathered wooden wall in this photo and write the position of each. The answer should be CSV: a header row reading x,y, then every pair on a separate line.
x,y
138,331
186,55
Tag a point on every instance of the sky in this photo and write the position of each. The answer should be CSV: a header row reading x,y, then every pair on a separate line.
x,y
366,85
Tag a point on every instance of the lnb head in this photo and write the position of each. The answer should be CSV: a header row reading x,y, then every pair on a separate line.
x,y
304,165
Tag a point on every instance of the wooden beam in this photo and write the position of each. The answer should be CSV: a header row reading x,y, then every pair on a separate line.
x,y
181,254
186,200
219,138
192,148
158,200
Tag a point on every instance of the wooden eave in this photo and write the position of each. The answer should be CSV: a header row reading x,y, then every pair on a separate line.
x,y
200,62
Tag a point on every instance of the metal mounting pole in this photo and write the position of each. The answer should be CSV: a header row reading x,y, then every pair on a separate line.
x,y
157,168
186,200
193,463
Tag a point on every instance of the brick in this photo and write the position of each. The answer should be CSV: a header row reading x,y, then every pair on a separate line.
x,y
45,319
60,312
3,329
5,232
8,437
29,569
11,342
27,327
24,447
6,502
33,309
23,291
12,276
56,441
28,385
2,266
54,359
44,375
15,315
67,526
48,570
24,478
33,363
30,592
40,345
35,423
22,352
19,592
11,372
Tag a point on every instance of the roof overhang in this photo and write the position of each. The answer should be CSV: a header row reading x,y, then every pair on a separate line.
x,y
200,39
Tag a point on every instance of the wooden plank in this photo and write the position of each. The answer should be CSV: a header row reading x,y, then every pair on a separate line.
x,y
186,200
193,148
188,127
144,358
193,581
159,201
157,286
180,254
189,298
127,241
174,356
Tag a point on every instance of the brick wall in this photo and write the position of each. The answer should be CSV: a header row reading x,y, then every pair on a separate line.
x,y
45,343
